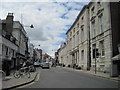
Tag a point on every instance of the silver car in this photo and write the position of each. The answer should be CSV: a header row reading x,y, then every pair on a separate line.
x,y
45,65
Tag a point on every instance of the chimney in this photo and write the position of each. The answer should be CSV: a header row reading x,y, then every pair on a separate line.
x,y
9,24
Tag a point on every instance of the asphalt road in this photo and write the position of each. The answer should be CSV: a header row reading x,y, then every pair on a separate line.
x,y
62,78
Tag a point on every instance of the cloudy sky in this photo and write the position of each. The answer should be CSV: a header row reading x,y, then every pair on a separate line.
x,y
51,20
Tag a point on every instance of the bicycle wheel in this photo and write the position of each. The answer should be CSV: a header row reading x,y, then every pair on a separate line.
x,y
28,74
16,74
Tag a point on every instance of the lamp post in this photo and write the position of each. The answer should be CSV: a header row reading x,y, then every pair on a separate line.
x,y
31,26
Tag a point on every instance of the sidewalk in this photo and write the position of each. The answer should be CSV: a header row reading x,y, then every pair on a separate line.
x,y
99,74
11,82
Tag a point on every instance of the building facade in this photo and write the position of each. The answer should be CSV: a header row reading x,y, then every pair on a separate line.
x,y
62,55
0,44
13,42
95,28
78,40
20,34
31,50
38,55
104,33
8,42
100,35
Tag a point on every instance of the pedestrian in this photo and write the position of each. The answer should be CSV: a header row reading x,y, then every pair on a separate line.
x,y
28,62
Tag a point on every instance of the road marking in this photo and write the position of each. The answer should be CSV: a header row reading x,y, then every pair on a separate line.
x,y
36,80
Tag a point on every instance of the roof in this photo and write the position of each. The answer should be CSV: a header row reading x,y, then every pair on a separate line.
x,y
86,6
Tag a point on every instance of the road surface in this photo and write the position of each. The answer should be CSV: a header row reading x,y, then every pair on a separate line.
x,y
62,78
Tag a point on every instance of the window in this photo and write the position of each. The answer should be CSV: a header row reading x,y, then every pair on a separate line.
x,y
77,38
100,21
70,33
94,46
78,25
93,29
102,49
93,50
70,43
74,41
82,18
67,36
74,30
13,53
92,11
82,55
6,51
82,34
99,4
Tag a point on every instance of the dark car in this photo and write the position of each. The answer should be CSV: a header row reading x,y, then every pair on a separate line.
x,y
37,64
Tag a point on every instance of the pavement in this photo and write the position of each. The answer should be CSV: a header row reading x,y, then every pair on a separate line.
x,y
99,74
11,82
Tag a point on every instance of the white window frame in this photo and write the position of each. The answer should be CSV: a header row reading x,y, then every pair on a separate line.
x,y
93,29
102,48
82,33
100,21
82,55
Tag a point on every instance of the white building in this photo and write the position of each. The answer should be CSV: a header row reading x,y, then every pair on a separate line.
x,y
0,44
96,27
8,42
31,50
104,33
20,34
62,55
78,40
38,54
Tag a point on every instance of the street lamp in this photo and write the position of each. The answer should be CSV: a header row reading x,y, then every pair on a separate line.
x,y
31,26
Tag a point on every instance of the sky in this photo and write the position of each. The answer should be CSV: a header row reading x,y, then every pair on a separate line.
x,y
51,20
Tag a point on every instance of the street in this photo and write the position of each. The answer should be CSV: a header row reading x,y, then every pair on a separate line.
x,y
61,78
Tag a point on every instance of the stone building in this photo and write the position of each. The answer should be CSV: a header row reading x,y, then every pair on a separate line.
x,y
8,43
31,50
56,57
37,55
62,55
13,41
0,44
104,33
20,34
78,40
95,28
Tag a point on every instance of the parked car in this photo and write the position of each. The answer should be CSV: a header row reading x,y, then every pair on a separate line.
x,y
37,64
45,65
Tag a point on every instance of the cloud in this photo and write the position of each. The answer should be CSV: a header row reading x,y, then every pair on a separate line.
x,y
51,21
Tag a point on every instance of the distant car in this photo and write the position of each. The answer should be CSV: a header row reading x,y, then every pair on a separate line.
x,y
45,65
37,64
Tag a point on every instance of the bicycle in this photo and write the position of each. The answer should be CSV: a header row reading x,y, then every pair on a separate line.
x,y
32,68
25,71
